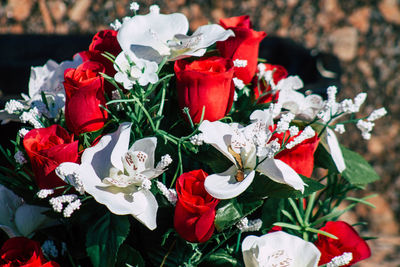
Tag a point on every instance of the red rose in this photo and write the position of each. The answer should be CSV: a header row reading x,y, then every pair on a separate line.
x,y
243,46
47,148
348,241
301,156
195,209
205,83
103,41
21,251
84,92
262,91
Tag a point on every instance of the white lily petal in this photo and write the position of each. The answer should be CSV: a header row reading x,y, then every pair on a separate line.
x,y
9,203
9,231
277,247
66,168
335,150
120,201
29,218
147,145
153,30
218,134
225,186
280,172
211,34
108,151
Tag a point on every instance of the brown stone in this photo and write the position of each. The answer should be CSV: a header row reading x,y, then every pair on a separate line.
x,y
79,11
19,9
360,19
390,10
58,9
345,41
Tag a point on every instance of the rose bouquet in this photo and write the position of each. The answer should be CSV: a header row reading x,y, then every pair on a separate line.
x,y
159,148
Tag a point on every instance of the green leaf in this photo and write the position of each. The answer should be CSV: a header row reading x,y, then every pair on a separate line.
x,y
358,171
214,159
129,255
323,159
220,258
262,187
231,211
104,239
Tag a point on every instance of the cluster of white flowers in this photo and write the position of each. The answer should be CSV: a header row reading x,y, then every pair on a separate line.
x,y
240,63
283,124
341,260
165,161
14,106
32,116
246,225
377,114
131,71
269,150
339,128
43,193
22,132
71,178
239,84
19,158
293,130
307,133
169,194
134,6
49,249
365,127
73,204
116,25
197,139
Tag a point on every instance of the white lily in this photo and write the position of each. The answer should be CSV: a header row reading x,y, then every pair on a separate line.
x,y
18,218
242,146
304,107
279,249
154,36
336,152
118,176
47,79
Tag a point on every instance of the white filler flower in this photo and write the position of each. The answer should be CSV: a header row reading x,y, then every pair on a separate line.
x,y
119,177
279,249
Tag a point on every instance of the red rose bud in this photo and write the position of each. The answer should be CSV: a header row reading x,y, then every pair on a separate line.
x,y
243,46
47,148
348,241
207,83
301,156
195,209
84,89
262,90
21,251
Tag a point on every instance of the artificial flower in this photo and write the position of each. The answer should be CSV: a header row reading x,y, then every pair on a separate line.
x,y
348,242
279,249
84,88
154,36
103,41
205,84
18,218
120,177
304,107
301,156
21,251
195,209
243,46
265,82
242,146
130,71
47,148
334,149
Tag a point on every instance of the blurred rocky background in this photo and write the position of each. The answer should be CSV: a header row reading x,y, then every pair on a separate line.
x,y
363,34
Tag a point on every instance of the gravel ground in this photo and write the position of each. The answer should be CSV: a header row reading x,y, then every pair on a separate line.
x,y
363,34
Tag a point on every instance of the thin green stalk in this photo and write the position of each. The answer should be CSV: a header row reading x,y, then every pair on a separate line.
x,y
296,211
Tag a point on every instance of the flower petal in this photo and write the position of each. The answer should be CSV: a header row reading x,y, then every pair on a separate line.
x,y
280,172
334,148
225,186
29,218
141,204
218,134
272,248
147,145
108,151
